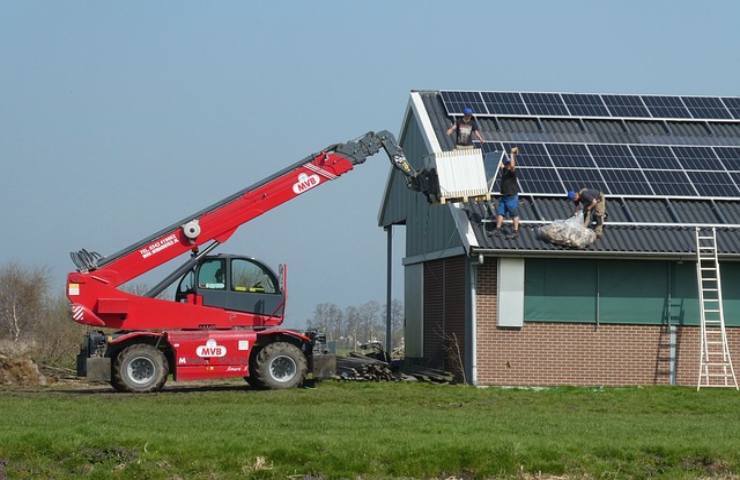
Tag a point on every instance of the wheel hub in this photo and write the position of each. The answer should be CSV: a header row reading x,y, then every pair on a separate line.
x,y
141,370
283,368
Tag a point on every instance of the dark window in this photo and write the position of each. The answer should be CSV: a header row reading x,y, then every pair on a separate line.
x,y
251,277
212,275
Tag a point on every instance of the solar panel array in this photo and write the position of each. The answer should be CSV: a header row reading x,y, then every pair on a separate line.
x,y
592,105
626,170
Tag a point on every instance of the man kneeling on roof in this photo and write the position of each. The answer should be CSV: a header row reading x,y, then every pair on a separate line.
x,y
508,204
591,201
464,128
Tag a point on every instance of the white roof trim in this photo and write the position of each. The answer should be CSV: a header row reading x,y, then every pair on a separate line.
x,y
425,122
462,222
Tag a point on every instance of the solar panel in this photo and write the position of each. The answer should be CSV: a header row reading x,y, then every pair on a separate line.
x,y
706,107
730,157
625,106
489,147
644,170
736,177
585,105
697,158
455,102
576,179
669,107
539,180
714,184
670,183
491,159
530,154
568,155
504,103
649,156
612,156
733,105
545,104
626,182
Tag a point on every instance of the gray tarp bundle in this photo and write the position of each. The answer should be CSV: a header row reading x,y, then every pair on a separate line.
x,y
568,233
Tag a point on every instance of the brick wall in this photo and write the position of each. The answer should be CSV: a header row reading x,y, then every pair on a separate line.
x,y
580,354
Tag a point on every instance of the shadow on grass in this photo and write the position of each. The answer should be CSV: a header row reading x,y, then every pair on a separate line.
x,y
101,389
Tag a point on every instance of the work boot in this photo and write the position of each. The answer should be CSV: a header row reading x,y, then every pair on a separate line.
x,y
513,235
497,232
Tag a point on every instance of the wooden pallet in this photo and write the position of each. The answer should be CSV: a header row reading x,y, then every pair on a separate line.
x,y
466,199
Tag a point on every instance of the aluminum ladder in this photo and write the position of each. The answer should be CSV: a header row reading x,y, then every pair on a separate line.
x,y
715,365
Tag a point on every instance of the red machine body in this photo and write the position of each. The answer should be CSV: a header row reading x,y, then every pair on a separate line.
x,y
213,328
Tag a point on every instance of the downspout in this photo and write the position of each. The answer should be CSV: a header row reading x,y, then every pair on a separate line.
x,y
474,321
672,329
388,292
598,296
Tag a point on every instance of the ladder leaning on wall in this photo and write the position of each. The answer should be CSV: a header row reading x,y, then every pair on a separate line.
x,y
715,365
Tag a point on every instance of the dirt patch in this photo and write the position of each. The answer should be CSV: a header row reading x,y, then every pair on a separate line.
x,y
21,371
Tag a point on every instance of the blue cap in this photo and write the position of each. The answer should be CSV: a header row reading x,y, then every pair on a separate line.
x,y
571,195
468,111
507,160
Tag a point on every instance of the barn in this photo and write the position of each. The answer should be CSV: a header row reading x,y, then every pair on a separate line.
x,y
524,312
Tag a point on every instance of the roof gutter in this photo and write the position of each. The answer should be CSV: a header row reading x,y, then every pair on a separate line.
x,y
626,255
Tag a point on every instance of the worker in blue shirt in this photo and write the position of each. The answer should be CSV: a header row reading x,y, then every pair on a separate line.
x,y
465,128
592,201
508,204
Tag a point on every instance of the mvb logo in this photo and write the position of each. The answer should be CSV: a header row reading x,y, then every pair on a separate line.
x,y
211,349
305,182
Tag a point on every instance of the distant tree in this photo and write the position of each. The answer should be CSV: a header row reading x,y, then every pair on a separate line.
x,y
327,318
397,323
334,320
371,323
57,339
352,326
23,297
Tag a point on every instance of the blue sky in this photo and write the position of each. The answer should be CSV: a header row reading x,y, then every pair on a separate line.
x,y
118,118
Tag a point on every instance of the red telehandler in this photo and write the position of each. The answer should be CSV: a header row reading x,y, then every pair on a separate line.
x,y
224,318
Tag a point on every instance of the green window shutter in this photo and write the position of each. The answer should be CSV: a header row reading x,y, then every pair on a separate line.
x,y
684,294
633,291
630,292
559,290
730,274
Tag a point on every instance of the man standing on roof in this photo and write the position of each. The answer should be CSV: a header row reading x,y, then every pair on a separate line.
x,y
508,204
465,127
591,201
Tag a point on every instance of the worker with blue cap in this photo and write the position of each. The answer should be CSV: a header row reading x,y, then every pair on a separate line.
x,y
508,204
592,201
465,128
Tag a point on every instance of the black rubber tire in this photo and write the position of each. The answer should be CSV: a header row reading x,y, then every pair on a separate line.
x,y
262,374
121,378
253,381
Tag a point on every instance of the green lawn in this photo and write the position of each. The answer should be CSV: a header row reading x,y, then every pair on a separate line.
x,y
371,430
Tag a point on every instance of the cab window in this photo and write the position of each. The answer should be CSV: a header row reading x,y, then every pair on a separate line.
x,y
250,277
212,275
186,284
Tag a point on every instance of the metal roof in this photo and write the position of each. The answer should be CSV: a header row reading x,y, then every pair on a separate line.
x,y
622,241
621,237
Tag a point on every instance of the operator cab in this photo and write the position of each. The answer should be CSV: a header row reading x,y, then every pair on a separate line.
x,y
235,283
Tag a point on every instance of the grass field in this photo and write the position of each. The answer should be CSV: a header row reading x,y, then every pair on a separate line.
x,y
370,431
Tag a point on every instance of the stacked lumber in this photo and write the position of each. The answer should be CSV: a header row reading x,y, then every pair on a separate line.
x,y
359,367
425,374
363,368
